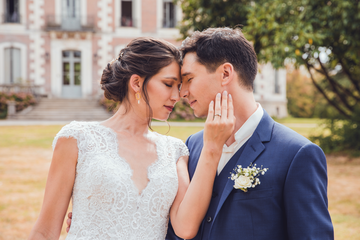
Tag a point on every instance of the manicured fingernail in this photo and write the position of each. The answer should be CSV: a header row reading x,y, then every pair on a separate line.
x,y
212,102
230,96
218,95
225,92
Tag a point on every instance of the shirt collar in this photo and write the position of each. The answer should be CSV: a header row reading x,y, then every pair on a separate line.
x,y
247,129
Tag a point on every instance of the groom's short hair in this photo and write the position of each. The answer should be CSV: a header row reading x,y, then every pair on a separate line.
x,y
215,46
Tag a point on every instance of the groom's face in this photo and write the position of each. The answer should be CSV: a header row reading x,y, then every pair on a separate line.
x,y
199,86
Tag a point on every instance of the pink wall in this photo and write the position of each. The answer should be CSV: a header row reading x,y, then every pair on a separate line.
x,y
148,20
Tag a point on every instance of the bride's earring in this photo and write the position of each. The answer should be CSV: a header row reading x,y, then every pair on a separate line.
x,y
138,96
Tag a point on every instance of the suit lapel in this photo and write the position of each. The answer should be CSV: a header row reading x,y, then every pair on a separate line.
x,y
253,149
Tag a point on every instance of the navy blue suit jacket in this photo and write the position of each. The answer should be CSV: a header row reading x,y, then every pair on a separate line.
x,y
291,201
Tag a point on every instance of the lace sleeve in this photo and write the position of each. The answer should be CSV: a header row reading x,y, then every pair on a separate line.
x,y
69,130
181,148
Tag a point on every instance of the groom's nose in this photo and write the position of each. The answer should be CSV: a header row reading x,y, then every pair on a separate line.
x,y
184,92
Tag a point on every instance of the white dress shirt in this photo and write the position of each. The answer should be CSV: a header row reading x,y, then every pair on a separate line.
x,y
241,136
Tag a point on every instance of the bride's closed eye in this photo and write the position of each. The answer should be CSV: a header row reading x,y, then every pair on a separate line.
x,y
168,83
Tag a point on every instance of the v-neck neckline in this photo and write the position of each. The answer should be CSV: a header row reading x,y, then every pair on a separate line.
x,y
155,139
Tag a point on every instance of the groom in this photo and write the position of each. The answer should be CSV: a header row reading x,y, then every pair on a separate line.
x,y
291,201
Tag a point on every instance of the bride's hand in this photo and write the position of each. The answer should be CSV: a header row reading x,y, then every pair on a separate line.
x,y
220,122
68,221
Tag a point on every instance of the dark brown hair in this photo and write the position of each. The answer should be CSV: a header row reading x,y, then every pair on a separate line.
x,y
215,46
143,56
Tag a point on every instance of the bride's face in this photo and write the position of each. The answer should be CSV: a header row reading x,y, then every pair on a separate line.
x,y
163,91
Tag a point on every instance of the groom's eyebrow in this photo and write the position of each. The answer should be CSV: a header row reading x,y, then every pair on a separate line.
x,y
185,74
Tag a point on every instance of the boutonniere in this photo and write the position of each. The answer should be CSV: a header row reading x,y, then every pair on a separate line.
x,y
245,178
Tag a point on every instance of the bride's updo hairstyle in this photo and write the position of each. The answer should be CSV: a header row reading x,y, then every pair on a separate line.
x,y
143,56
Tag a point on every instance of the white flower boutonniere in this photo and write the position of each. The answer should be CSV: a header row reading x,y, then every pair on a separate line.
x,y
245,178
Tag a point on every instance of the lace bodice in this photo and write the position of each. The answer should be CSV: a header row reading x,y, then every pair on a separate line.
x,y
106,202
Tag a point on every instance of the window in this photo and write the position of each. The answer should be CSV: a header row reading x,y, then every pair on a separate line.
x,y
12,65
277,85
12,11
126,13
71,15
169,20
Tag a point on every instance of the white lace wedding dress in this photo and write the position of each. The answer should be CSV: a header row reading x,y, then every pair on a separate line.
x,y
106,203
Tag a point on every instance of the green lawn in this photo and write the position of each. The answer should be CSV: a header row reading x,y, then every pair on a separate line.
x,y
28,136
300,120
42,136
180,132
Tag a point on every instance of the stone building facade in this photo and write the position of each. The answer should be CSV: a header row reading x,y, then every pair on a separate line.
x,y
270,90
62,46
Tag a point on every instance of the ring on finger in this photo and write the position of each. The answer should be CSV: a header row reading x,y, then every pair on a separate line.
x,y
217,114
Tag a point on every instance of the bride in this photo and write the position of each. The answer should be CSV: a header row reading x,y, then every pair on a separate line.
x,y
124,180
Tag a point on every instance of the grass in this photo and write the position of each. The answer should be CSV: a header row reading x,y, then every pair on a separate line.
x,y
180,132
42,136
25,156
28,136
299,120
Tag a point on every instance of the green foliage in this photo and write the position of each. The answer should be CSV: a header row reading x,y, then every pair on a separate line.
x,y
300,94
23,100
201,14
341,135
182,110
109,105
304,100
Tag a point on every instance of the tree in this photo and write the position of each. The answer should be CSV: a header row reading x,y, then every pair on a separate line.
x,y
324,36
202,14
303,98
300,94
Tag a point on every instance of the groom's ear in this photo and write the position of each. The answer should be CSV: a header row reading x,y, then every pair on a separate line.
x,y
227,73
135,83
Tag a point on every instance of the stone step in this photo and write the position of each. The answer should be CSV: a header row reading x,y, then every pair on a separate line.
x,y
72,108
62,118
65,110
65,114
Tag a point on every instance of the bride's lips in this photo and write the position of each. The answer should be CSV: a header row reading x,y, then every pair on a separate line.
x,y
192,103
170,108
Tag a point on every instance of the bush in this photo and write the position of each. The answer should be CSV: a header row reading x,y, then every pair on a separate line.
x,y
341,135
109,105
304,100
23,100
182,110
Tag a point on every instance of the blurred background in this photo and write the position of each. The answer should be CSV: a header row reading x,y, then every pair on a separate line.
x,y
52,54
